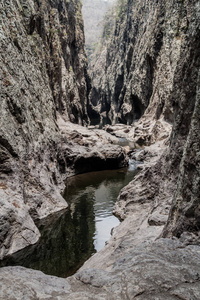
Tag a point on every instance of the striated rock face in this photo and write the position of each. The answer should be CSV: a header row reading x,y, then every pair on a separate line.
x,y
185,146
42,51
42,71
174,178
150,67
135,69
43,84
163,199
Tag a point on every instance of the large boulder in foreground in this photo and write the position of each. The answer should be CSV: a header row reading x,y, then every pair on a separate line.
x,y
165,269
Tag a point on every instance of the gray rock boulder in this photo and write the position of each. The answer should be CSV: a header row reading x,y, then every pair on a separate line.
x,y
165,269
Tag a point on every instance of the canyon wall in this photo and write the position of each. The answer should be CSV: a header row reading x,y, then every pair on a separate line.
x,y
147,69
43,86
43,68
133,71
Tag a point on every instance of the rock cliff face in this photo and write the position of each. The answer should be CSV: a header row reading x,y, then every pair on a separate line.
x,y
185,146
42,72
43,84
134,71
163,199
149,70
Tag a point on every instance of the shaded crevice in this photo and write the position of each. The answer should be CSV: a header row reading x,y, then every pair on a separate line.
x,y
149,78
138,107
118,87
32,25
129,59
4,142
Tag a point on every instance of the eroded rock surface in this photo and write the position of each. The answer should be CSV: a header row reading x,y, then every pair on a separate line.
x,y
165,194
81,150
43,80
133,73
153,64
165,269
150,68
42,71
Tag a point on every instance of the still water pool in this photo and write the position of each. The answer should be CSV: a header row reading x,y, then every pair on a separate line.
x,y
69,238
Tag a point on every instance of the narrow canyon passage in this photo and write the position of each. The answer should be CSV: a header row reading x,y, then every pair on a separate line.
x,y
68,239
75,108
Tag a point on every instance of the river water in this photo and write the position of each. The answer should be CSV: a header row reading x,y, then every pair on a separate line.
x,y
69,238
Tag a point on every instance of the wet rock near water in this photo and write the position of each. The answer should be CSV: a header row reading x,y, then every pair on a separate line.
x,y
44,78
82,150
150,71
142,133
92,150
41,73
165,269
173,178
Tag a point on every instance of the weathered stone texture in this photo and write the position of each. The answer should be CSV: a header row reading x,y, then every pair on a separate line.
x,y
137,66
42,55
149,68
160,270
168,185
185,211
43,80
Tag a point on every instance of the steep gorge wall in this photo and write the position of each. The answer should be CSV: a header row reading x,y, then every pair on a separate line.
x,y
127,268
43,74
149,70
139,55
44,87
185,145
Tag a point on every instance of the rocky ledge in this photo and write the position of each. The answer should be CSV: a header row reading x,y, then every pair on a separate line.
x,y
40,148
81,150
136,263
43,74
164,269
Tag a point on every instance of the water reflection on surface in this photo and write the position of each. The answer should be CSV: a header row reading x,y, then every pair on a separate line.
x,y
69,238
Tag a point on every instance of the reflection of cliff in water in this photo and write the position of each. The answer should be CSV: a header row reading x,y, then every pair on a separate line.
x,y
102,188
69,238
65,244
